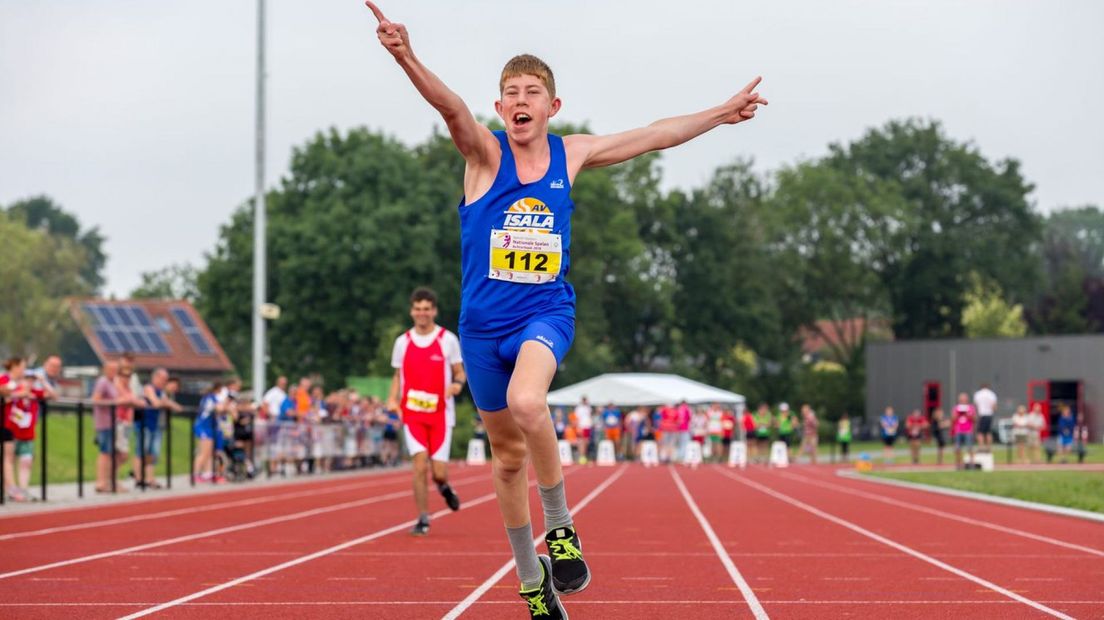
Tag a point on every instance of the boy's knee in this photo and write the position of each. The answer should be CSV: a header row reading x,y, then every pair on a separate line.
x,y
529,411
508,458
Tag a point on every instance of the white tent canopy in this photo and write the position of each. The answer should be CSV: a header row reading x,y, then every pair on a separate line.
x,y
637,388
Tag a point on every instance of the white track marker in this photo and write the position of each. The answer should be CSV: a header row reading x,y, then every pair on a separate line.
x,y
945,515
475,595
306,558
733,572
207,534
252,501
898,546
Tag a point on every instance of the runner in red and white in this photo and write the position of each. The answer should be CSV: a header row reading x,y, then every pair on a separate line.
x,y
429,373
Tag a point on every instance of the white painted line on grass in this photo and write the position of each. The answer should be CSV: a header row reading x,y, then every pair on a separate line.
x,y
947,515
194,509
981,497
896,545
726,560
224,530
475,595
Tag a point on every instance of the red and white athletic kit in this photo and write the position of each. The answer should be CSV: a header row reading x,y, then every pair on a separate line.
x,y
425,372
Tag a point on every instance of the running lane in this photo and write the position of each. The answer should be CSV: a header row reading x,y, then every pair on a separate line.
x,y
394,576
803,566
1017,576
31,547
648,555
261,536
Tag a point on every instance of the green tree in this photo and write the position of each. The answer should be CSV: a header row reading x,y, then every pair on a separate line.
x,y
39,271
966,214
987,315
1072,258
41,212
176,281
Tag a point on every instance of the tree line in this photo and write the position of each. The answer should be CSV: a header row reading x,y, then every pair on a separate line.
x,y
904,228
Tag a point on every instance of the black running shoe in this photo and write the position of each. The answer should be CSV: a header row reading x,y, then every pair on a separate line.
x,y
451,498
542,600
421,528
569,571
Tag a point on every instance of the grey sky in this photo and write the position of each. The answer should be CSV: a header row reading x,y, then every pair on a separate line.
x,y
137,115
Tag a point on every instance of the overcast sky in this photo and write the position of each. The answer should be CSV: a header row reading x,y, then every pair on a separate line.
x,y
138,115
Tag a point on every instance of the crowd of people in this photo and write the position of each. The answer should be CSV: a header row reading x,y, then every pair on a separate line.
x,y
970,430
675,426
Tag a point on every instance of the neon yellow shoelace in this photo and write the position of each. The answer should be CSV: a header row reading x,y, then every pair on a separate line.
x,y
537,606
564,549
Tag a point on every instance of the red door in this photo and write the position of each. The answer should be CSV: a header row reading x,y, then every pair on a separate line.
x,y
1038,392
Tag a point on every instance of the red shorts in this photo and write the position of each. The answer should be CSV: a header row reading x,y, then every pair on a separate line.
x,y
431,435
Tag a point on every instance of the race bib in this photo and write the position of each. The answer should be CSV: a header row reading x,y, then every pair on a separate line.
x,y
421,402
21,418
528,258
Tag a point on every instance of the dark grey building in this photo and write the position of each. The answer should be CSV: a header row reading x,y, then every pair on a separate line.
x,y
923,374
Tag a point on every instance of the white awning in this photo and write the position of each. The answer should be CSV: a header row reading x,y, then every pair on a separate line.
x,y
632,389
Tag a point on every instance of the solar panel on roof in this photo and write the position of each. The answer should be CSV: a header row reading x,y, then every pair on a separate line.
x,y
191,330
126,329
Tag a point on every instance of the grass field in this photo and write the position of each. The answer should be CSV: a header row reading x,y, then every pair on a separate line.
x,y
1095,453
1072,489
62,444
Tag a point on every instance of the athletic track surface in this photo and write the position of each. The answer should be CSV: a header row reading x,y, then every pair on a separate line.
x,y
666,542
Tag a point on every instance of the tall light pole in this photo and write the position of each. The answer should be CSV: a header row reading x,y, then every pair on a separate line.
x,y
259,224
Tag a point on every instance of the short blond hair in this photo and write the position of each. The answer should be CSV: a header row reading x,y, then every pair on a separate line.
x,y
528,64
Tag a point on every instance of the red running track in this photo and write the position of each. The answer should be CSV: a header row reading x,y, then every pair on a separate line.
x,y
661,542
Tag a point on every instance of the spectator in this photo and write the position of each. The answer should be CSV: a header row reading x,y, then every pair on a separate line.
x,y
632,431
1067,424
390,452
915,425
843,435
985,402
148,427
699,426
105,395
584,423
728,432
889,425
669,429
940,425
208,435
810,426
715,428
963,428
559,422
763,422
1020,432
611,421
1036,423
22,392
685,414
786,426
274,398
49,376
130,391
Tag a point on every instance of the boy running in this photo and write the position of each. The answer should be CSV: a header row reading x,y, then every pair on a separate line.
x,y
517,314
429,373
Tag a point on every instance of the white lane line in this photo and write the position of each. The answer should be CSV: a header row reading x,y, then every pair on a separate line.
x,y
224,530
980,497
896,545
733,572
202,508
307,558
946,515
894,602
475,595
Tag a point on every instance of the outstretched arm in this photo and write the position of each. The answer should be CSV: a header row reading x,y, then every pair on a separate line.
x,y
474,141
588,151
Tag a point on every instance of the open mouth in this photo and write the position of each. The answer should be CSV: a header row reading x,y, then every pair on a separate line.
x,y
522,119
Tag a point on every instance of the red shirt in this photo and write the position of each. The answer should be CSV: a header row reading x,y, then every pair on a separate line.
x,y
728,424
749,423
21,413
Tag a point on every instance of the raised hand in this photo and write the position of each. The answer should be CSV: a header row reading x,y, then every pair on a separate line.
x,y
391,35
742,107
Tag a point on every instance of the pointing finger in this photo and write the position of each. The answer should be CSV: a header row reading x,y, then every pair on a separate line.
x,y
375,11
751,86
